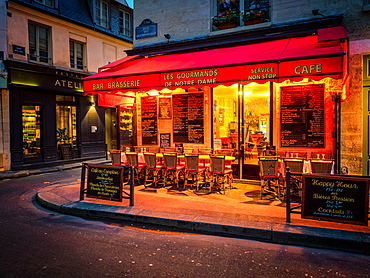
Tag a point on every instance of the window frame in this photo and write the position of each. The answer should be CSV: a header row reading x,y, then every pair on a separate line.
x,y
37,58
123,22
99,17
53,3
75,56
242,10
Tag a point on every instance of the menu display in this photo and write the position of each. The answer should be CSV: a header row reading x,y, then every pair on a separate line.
x,y
336,198
165,140
188,118
302,116
126,129
105,182
149,127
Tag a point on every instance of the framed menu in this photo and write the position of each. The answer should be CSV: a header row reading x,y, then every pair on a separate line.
x,y
164,104
149,127
302,122
188,118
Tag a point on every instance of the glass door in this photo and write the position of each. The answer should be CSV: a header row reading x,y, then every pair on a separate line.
x,y
241,121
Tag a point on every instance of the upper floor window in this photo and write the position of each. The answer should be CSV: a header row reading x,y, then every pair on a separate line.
x,y
39,40
233,13
49,3
125,23
101,13
76,54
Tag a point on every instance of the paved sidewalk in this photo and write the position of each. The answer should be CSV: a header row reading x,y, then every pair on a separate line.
x,y
240,213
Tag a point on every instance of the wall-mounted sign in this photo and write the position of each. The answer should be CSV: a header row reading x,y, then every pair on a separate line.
x,y
19,49
146,29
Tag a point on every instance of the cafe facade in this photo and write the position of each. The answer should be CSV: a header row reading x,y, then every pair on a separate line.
x,y
283,93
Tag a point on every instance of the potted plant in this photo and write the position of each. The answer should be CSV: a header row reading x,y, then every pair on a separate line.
x,y
254,17
225,21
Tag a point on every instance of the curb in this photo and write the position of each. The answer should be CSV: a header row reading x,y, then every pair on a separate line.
x,y
287,234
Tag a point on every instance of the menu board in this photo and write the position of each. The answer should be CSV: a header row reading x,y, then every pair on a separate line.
x,y
188,118
149,128
66,150
126,129
302,116
336,198
165,140
164,108
105,182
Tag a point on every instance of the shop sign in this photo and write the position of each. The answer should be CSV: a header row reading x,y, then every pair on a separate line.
x,y
212,76
323,66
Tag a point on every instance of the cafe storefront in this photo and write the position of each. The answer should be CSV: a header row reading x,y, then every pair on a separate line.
x,y
284,93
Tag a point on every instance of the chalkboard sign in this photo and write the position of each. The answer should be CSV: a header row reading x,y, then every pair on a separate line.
x,y
66,151
105,182
126,127
336,198
302,116
165,140
188,118
149,121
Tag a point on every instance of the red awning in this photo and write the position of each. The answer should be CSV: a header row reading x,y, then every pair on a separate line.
x,y
332,34
302,57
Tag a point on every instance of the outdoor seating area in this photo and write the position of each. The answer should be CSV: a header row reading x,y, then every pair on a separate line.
x,y
178,168
273,171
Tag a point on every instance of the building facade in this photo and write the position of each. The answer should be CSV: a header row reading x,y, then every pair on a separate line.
x,y
312,96
47,47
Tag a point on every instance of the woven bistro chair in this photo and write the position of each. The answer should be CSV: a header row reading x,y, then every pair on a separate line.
x,y
296,166
194,170
269,175
133,160
116,158
172,169
219,173
153,167
321,166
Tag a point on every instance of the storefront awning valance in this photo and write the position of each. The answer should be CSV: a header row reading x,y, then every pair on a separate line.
x,y
294,58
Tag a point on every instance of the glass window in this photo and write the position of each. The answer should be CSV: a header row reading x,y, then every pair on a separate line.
x,y
31,122
66,121
233,13
125,23
38,43
49,3
101,13
242,117
76,50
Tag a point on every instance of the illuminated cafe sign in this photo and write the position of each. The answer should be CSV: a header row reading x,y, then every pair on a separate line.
x,y
209,77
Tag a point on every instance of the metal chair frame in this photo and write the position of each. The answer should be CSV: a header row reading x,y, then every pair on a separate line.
x,y
194,171
133,160
219,174
152,166
269,174
172,169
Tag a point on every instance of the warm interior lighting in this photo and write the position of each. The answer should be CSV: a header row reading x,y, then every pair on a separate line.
x,y
153,93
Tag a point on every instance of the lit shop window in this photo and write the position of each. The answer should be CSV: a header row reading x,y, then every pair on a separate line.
x,y
66,116
31,122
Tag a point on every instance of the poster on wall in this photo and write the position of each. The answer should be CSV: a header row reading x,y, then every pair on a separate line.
x,y
149,127
188,118
302,122
164,104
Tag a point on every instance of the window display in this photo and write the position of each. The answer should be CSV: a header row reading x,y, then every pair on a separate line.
x,y
31,122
